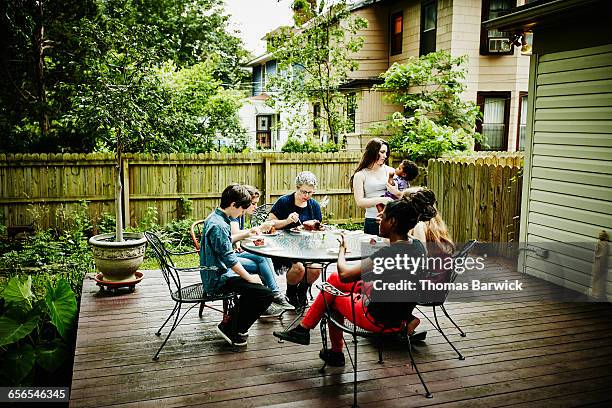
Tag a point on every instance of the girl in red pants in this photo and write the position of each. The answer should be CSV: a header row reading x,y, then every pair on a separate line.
x,y
371,312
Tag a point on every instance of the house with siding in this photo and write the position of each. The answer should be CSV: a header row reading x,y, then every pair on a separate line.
x,y
397,30
567,183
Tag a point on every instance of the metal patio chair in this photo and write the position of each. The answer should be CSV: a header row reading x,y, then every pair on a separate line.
x,y
441,296
355,331
192,294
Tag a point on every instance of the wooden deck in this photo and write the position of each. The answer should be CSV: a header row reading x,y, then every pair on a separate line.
x,y
519,352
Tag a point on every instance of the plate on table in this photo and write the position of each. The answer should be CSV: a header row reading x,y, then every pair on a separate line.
x,y
296,230
271,234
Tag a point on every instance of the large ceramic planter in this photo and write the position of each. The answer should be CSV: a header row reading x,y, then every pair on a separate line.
x,y
118,261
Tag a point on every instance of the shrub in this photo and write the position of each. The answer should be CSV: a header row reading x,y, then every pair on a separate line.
x,y
309,145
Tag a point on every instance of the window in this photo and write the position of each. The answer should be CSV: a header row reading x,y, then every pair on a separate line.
x,y
429,16
520,145
493,41
351,106
316,118
270,71
495,107
263,77
397,32
264,132
257,80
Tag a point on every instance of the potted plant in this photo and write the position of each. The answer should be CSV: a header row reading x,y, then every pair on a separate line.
x,y
122,99
118,255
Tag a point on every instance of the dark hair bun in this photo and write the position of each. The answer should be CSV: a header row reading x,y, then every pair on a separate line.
x,y
424,202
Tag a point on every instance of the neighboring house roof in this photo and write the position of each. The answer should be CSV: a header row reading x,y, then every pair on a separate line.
x,y
261,97
268,56
529,15
362,4
259,104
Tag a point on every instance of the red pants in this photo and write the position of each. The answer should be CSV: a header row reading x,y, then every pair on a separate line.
x,y
343,306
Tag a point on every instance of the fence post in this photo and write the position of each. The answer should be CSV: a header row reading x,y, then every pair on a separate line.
x,y
126,192
266,179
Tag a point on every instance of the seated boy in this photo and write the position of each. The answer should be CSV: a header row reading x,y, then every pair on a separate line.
x,y
216,251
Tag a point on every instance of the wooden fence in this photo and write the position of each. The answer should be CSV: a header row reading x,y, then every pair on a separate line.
x,y
50,185
479,198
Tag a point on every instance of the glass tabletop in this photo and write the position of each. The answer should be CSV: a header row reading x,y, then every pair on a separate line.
x,y
319,246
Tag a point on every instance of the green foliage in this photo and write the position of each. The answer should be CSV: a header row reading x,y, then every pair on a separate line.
x,y
313,62
35,330
309,145
435,120
184,208
106,224
40,281
81,74
351,226
149,221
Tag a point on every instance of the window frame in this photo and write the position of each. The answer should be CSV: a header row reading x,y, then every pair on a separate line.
x,y
433,31
484,33
393,35
481,96
518,125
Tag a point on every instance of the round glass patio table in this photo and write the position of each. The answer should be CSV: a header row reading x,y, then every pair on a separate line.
x,y
310,247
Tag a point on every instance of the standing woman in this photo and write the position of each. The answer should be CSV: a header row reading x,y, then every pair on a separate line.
x,y
370,182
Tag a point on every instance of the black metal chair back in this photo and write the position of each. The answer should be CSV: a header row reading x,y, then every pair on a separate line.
x,y
180,294
436,299
260,215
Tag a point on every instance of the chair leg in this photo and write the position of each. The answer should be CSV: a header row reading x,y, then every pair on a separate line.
x,y
323,327
202,305
444,335
355,375
176,306
462,334
176,321
414,365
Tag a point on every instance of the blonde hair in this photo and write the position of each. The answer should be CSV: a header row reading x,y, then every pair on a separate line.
x,y
436,232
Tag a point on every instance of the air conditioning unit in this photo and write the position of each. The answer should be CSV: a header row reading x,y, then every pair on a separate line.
x,y
499,45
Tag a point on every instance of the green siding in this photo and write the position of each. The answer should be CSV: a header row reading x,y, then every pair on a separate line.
x,y
567,193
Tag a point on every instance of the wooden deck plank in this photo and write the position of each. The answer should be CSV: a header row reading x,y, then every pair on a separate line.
x,y
519,351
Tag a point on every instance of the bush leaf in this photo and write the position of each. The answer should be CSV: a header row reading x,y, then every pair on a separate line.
x,y
51,356
12,331
18,363
19,293
62,306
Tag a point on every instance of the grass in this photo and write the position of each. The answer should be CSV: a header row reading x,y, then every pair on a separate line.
x,y
185,261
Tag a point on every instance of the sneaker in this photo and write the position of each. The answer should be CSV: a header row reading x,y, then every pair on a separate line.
x,y
245,334
332,358
281,301
412,325
232,338
272,311
297,335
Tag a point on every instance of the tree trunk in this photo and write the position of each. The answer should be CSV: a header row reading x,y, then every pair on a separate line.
x,y
39,68
118,191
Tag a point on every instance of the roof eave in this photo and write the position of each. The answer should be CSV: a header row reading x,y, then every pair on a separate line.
x,y
527,16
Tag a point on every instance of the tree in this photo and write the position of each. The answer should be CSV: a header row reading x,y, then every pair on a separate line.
x,y
314,60
435,120
60,57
